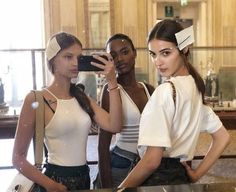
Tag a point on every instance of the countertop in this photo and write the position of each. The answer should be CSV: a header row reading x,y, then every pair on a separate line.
x,y
213,187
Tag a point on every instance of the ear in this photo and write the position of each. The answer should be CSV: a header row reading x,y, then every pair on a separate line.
x,y
185,50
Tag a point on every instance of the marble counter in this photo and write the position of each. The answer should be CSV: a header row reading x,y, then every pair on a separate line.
x,y
214,187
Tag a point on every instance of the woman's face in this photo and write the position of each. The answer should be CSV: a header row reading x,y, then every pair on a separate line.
x,y
123,55
167,58
65,62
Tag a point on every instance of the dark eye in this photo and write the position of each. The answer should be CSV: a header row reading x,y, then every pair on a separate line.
x,y
68,56
165,53
125,52
153,55
114,55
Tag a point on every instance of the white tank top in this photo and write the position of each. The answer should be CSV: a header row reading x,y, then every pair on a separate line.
x,y
127,139
66,134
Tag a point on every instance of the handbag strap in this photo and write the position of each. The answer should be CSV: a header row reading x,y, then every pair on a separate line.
x,y
39,130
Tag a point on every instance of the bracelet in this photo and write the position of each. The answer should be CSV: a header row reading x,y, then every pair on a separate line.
x,y
114,88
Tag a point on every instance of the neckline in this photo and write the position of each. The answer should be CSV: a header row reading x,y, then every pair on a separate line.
x,y
56,96
131,100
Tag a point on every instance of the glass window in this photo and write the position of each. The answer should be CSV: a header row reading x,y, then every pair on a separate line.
x,y
21,31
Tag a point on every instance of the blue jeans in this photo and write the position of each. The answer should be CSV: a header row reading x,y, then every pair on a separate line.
x,y
122,162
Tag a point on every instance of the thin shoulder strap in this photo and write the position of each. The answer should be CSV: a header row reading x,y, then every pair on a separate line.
x,y
148,92
39,130
45,100
173,90
51,93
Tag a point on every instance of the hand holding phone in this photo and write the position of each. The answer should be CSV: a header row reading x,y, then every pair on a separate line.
x,y
84,63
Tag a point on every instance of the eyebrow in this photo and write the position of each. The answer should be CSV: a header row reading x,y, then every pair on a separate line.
x,y
151,52
68,52
164,49
123,48
168,48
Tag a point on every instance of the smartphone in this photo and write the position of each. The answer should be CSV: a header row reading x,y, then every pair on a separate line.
x,y
84,63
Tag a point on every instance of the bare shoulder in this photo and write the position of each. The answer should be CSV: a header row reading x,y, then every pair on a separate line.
x,y
27,115
29,102
30,97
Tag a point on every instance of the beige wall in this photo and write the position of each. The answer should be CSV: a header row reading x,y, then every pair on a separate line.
x,y
213,22
214,18
221,30
66,15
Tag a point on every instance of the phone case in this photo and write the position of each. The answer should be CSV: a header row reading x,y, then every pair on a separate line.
x,y
84,63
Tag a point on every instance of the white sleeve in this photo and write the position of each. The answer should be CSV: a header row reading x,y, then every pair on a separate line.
x,y
210,121
157,117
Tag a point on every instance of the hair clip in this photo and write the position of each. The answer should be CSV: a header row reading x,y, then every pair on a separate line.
x,y
52,48
185,37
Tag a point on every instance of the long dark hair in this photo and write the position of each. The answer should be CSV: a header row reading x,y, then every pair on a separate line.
x,y
82,99
165,30
66,40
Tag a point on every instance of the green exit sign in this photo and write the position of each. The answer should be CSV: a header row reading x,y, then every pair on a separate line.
x,y
169,11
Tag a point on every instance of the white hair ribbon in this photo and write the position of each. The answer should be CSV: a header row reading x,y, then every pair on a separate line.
x,y
185,37
52,48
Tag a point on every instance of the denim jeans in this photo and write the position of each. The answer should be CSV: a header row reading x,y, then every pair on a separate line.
x,y
122,162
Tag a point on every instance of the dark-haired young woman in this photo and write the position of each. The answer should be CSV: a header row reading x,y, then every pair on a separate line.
x,y
174,116
68,117
115,164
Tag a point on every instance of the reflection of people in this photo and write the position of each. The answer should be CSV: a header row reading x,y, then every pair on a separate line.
x,y
170,125
68,117
115,165
90,83
213,87
208,86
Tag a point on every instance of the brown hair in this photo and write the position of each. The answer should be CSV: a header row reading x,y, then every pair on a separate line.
x,y
165,30
66,40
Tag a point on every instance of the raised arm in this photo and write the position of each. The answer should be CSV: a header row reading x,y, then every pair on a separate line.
x,y
111,121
